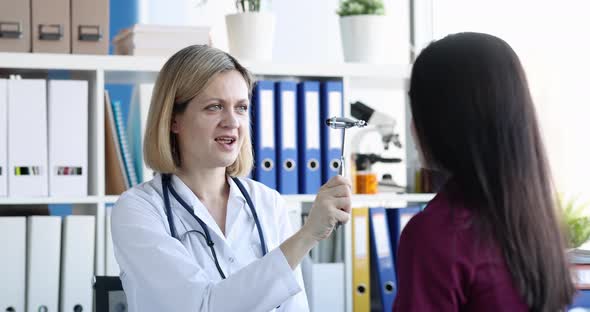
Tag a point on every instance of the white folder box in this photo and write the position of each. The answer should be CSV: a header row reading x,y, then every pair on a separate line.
x,y
68,137
13,233
326,292
3,138
43,246
27,138
77,263
112,266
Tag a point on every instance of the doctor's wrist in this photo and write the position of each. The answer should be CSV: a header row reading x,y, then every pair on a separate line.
x,y
306,237
297,247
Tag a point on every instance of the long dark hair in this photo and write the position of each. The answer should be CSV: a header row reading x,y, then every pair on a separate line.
x,y
475,119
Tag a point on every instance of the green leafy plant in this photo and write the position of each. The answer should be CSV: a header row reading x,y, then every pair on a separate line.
x,y
361,7
578,225
248,5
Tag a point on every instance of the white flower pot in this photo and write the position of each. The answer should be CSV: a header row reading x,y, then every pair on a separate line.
x,y
250,35
363,38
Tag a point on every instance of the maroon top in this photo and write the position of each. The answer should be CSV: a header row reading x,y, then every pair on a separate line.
x,y
442,266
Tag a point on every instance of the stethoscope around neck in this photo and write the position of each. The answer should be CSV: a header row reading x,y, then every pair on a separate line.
x,y
167,187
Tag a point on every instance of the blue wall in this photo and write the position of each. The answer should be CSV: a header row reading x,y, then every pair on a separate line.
x,y
123,14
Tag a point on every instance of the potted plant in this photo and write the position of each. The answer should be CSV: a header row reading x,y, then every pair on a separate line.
x,y
363,31
577,224
250,32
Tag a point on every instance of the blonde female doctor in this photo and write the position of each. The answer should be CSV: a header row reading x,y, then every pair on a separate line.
x,y
197,237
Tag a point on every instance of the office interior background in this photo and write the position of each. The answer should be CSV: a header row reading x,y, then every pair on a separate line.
x,y
549,37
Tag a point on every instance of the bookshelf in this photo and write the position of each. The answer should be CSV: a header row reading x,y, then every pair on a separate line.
x,y
101,69
49,200
120,66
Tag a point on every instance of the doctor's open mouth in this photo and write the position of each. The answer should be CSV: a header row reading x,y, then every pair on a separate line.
x,y
228,143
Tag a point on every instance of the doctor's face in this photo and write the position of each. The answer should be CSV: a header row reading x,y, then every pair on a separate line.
x,y
213,127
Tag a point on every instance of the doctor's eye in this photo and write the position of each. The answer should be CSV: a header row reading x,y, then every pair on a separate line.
x,y
214,107
242,108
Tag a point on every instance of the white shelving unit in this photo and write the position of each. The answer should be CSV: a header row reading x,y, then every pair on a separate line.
x,y
49,200
98,70
116,64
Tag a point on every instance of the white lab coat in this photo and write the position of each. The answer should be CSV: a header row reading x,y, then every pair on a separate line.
x,y
160,273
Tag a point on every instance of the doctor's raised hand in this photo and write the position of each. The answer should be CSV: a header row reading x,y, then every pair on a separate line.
x,y
199,236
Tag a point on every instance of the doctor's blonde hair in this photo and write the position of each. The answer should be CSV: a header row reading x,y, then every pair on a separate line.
x,y
184,76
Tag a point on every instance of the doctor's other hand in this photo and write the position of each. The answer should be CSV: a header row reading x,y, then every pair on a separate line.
x,y
332,205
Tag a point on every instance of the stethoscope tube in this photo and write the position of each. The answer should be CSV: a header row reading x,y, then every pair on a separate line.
x,y
167,187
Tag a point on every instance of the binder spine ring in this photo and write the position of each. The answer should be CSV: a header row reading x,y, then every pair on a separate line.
x,y
361,289
289,165
335,164
313,165
389,287
267,164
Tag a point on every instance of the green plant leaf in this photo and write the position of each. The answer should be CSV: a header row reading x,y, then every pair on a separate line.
x,y
578,225
361,7
248,5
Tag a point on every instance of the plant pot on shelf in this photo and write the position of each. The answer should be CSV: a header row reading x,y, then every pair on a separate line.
x,y
250,35
363,38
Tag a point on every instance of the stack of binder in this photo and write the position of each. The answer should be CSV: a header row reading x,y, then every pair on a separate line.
x,y
159,40
51,158
48,258
302,153
375,236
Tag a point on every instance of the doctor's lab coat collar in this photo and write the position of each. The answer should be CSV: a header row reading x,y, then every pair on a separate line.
x,y
200,210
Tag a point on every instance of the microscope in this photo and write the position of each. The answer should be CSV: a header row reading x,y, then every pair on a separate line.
x,y
365,181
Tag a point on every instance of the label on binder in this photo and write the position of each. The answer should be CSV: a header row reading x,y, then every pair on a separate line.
x,y
335,106
312,100
288,119
267,113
